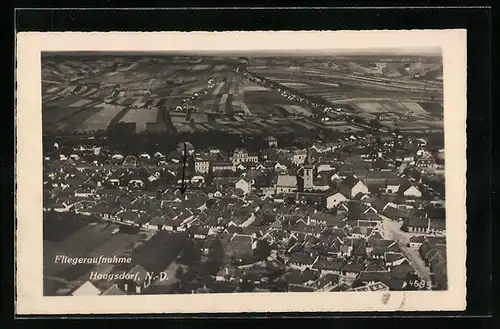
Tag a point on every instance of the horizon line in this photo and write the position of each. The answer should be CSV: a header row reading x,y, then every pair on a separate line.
x,y
392,51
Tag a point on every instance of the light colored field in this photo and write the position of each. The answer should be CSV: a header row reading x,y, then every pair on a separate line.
x,y
238,102
139,101
222,103
221,121
194,89
53,89
178,119
199,117
296,109
101,119
82,90
80,103
344,128
294,84
329,84
388,123
201,127
370,107
218,88
415,108
252,88
433,124
303,124
89,92
122,100
220,68
200,67
336,123
141,117
180,127
59,114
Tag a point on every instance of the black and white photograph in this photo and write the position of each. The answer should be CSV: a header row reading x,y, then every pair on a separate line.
x,y
185,172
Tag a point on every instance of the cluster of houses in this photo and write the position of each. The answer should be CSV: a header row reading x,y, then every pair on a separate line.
x,y
320,210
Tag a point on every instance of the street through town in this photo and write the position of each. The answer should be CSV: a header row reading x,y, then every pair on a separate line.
x,y
393,232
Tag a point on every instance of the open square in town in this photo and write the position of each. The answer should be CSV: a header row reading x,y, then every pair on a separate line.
x,y
228,176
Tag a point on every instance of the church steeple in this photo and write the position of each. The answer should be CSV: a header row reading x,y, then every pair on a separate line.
x,y
308,172
308,161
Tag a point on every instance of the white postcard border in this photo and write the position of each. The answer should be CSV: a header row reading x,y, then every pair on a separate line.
x,y
29,278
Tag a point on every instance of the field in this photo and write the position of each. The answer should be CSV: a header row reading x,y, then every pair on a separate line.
x,y
181,94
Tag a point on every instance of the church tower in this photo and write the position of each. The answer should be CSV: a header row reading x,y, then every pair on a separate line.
x,y
308,172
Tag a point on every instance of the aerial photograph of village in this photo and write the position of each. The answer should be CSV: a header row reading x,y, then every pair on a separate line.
x,y
187,173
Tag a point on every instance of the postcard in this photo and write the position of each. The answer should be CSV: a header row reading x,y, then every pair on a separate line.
x,y
269,171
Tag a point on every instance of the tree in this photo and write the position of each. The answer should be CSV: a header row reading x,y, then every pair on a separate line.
x,y
354,211
263,250
210,176
191,254
210,203
246,286
404,227
179,273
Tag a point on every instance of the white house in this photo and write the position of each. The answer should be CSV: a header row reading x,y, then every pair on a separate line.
x,y
244,185
334,200
197,179
324,167
279,167
202,165
335,177
412,191
299,157
351,186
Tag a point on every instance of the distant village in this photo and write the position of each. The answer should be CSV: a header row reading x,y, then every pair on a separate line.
x,y
358,214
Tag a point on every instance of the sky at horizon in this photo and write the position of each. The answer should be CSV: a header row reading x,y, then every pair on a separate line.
x,y
394,51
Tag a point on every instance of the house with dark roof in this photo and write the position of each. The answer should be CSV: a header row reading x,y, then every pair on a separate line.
x,y
434,257
377,248
351,186
329,265
299,288
378,177
239,248
327,281
352,269
371,277
394,258
301,260
416,241
396,213
327,219
417,222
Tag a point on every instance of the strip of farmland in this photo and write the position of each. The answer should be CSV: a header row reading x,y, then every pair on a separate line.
x,y
296,110
239,104
73,122
54,117
102,119
141,117
118,117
